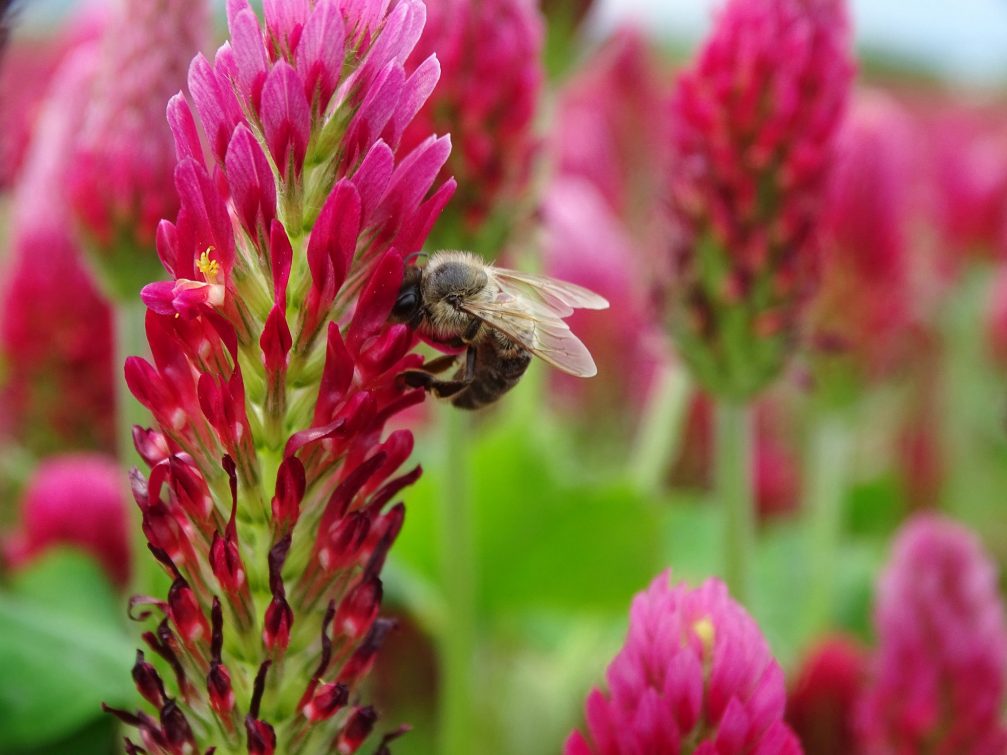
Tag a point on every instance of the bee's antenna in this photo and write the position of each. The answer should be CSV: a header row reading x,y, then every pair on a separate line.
x,y
415,256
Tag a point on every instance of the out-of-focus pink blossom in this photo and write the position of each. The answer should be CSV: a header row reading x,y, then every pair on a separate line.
x,y
864,306
754,122
58,389
969,182
491,80
273,473
820,708
29,65
938,678
119,179
75,500
586,244
611,128
695,676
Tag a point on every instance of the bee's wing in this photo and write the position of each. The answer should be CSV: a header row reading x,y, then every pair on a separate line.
x,y
561,297
537,326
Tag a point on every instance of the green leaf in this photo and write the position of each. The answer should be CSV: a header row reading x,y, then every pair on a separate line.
x,y
63,650
548,535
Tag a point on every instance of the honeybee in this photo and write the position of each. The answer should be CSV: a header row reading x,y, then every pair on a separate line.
x,y
503,317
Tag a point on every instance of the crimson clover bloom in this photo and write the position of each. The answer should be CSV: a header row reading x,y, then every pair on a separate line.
x,y
695,676
862,311
119,175
274,375
58,388
491,80
754,122
821,704
76,500
939,674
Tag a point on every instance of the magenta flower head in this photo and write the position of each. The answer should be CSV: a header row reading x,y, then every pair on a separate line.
x,y
970,183
57,387
938,677
822,701
75,500
119,178
490,56
863,308
611,129
274,375
694,677
754,123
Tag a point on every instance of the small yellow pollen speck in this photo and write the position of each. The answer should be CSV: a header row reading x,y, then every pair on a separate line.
x,y
208,267
705,631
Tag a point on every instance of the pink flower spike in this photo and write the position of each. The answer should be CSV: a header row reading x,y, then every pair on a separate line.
x,y
695,672
480,41
939,676
754,121
271,348
74,500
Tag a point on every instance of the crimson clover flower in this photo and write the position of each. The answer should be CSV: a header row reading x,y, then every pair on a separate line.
x,y
822,701
75,500
58,388
754,123
695,676
119,174
274,375
491,80
862,311
939,675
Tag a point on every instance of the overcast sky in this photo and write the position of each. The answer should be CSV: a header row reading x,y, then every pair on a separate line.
x,y
966,39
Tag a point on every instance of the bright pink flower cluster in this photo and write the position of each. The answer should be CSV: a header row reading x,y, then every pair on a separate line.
x,y
821,704
74,500
754,122
58,389
695,676
939,676
119,177
490,55
274,373
864,306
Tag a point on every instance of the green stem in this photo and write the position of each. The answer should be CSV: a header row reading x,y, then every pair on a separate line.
x,y
660,431
825,485
457,635
734,490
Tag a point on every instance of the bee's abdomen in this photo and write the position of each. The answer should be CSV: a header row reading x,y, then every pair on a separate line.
x,y
495,374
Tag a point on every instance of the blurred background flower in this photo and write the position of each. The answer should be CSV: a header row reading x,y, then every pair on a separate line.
x,y
938,675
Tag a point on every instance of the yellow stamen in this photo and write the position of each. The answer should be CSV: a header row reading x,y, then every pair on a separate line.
x,y
705,631
208,267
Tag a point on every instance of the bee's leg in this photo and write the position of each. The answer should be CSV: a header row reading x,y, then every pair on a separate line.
x,y
439,365
442,388
472,330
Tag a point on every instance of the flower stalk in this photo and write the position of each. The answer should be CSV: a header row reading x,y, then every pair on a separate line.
x,y
733,482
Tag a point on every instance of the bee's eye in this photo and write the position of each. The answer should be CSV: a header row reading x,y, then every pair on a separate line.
x,y
405,305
